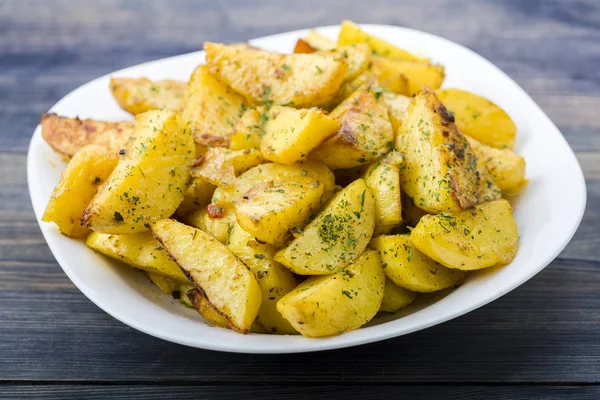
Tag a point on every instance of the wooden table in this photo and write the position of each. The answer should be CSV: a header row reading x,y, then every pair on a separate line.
x,y
540,341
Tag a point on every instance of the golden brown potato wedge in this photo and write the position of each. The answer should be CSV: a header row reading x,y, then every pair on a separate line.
x,y
214,270
68,135
290,134
211,108
351,33
301,80
366,132
407,267
78,184
479,118
333,304
336,237
269,211
395,297
440,171
418,74
273,278
481,237
139,250
138,95
150,179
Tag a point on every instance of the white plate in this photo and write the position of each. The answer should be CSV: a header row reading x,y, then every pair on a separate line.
x,y
548,212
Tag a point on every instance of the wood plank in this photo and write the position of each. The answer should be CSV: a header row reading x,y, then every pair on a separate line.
x,y
295,392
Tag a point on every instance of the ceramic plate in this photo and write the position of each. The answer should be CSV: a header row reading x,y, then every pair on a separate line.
x,y
547,212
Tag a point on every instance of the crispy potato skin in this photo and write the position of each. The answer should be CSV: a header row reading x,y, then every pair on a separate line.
x,y
226,282
78,184
139,250
333,304
481,237
440,171
150,179
336,237
410,269
68,135
479,118
302,80
138,95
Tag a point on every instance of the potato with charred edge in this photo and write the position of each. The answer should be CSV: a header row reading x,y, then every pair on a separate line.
x,y
408,268
68,135
211,108
138,95
213,269
270,210
336,237
290,134
77,186
301,80
333,304
201,304
150,179
366,133
139,250
395,297
273,278
481,237
417,74
479,118
440,172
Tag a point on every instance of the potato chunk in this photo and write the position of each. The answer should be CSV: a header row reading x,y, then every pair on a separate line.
x,y
407,267
273,278
216,219
397,105
140,250
301,80
318,42
418,74
356,56
479,118
333,304
290,134
150,179
248,131
78,184
336,237
211,108
481,237
383,178
440,171
138,95
270,210
395,297
350,33
214,270
220,166
366,133
210,314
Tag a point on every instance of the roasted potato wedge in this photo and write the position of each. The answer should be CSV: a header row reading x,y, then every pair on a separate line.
x,y
351,33
269,211
273,278
138,95
290,134
301,80
366,132
481,237
78,184
68,135
248,131
226,282
220,166
418,74
407,267
150,179
479,118
333,304
395,297
356,56
140,250
211,108
440,171
397,106
336,237
383,178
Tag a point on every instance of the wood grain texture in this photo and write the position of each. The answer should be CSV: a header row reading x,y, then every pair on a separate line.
x,y
546,332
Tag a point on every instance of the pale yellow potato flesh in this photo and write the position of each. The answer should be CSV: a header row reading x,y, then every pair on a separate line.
x,y
356,56
138,95
341,302
220,166
397,105
318,41
216,226
248,131
418,74
395,297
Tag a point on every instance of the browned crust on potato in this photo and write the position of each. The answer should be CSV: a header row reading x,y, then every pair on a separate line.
x,y
68,135
303,47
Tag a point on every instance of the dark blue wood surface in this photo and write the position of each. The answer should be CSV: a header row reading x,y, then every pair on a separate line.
x,y
542,339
